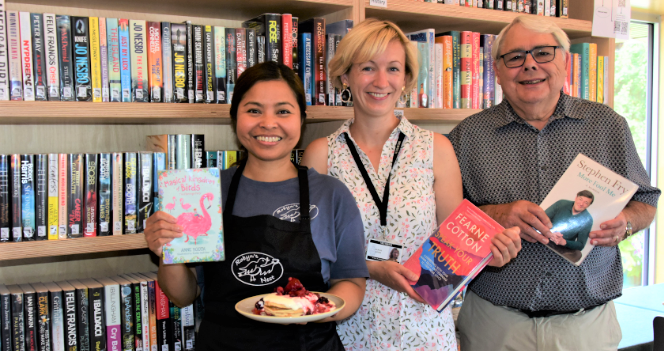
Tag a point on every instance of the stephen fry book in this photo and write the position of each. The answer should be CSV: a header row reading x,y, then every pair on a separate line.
x,y
193,197
453,255
586,195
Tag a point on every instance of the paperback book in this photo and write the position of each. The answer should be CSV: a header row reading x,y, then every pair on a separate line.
x,y
192,196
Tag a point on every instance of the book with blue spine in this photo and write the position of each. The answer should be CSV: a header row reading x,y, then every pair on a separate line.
x,y
428,60
488,73
158,164
305,67
167,61
231,63
113,42
583,49
193,197
28,197
125,59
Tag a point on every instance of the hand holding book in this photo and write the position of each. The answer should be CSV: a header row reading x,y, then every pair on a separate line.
x,y
394,276
161,228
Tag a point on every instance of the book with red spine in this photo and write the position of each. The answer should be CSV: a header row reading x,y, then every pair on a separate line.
x,y
466,40
287,39
476,101
316,26
164,322
241,50
155,69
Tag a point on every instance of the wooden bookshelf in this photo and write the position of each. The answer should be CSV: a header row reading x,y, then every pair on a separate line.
x,y
53,248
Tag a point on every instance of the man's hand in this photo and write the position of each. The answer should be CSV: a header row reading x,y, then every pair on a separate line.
x,y
394,276
505,246
529,217
611,232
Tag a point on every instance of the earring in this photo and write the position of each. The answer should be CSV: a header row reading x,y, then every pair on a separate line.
x,y
403,88
346,96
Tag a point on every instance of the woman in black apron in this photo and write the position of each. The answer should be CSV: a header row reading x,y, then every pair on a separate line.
x,y
282,248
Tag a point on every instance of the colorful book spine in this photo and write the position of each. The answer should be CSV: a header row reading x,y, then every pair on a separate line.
x,y
15,66
139,61
176,326
231,64
26,56
294,44
578,85
130,180
583,50
125,59
569,80
63,195
456,68
448,74
475,91
191,68
5,196
220,63
75,196
318,52
155,59
118,194
41,195
167,62
164,340
17,231
39,56
65,58
329,85
152,301
183,151
600,79
179,41
51,50
145,313
241,50
272,33
592,72
83,79
305,67
126,314
114,70
438,75
606,80
105,195
199,64
252,52
211,159
145,199
28,197
95,60
197,150
427,37
91,195
103,53
488,72
286,39
4,65
112,315
466,68
158,164
210,79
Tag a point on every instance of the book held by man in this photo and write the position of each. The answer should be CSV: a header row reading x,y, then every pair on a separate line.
x,y
586,195
453,255
193,197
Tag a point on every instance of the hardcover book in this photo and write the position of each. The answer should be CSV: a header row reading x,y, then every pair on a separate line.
x,y
193,197
65,58
585,196
39,56
453,255
95,60
81,50
51,50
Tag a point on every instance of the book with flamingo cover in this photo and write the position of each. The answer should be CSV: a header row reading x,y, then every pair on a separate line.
x,y
193,197
453,255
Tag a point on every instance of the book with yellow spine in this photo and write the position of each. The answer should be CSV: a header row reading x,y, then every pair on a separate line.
x,y
53,197
600,79
592,72
95,59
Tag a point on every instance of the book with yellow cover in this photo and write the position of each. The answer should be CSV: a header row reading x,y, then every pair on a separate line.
x,y
600,79
592,72
95,59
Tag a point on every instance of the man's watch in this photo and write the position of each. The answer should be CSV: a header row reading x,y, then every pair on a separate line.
x,y
628,230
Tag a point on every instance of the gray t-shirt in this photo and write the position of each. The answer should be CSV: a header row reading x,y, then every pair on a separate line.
x,y
336,225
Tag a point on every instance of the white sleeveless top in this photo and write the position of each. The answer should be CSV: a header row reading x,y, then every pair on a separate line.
x,y
387,319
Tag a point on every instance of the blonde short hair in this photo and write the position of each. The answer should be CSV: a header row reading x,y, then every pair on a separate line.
x,y
365,41
537,24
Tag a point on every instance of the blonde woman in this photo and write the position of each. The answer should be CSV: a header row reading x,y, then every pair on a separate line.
x,y
377,64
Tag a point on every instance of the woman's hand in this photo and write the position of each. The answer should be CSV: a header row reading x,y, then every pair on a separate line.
x,y
505,246
394,276
161,229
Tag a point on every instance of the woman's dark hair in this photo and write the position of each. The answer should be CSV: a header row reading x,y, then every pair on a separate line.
x,y
262,72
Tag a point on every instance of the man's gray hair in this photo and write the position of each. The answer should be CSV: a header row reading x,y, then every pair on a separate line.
x,y
537,24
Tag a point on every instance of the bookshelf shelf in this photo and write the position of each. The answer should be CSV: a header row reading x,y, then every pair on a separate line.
x,y
53,248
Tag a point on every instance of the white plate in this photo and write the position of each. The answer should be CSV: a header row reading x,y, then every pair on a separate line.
x,y
246,306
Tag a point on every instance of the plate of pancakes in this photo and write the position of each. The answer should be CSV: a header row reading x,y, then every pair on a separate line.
x,y
286,314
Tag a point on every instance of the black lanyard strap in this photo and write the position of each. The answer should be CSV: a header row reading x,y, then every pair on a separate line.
x,y
382,205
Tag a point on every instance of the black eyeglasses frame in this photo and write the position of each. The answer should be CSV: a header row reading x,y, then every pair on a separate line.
x,y
526,52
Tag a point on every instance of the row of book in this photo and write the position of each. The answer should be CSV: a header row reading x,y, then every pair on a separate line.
x,y
587,73
127,312
72,58
553,8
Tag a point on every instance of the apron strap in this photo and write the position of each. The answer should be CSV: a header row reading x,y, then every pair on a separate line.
x,y
232,191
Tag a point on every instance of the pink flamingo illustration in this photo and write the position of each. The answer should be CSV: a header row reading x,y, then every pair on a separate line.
x,y
194,225
184,206
171,206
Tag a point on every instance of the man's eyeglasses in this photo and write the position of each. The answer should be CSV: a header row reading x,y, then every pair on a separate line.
x,y
542,54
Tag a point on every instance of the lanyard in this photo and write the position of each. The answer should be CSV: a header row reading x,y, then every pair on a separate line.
x,y
382,205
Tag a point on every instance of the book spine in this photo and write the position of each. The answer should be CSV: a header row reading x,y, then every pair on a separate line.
x,y
17,231
152,301
197,150
30,315
145,316
422,89
578,83
65,59
475,102
180,70
294,47
139,62
145,199
18,326
592,72
75,196
231,64
547,7
286,39
337,91
456,70
273,37
127,317
41,196
318,38
199,63
252,54
28,197
138,316
14,42
91,195
305,70
117,199
172,153
81,34
6,321
5,196
57,321
220,160
176,327
489,77
63,172
95,60
329,86
211,159
438,77
39,56
260,49
167,62
466,68
130,179
430,41
97,325
71,336
600,79
114,70
26,57
105,195
561,10
188,327
220,63
125,59
208,40
183,151
163,320
112,317
43,322
103,53
191,92
4,66
159,164
606,80
51,50
155,58
83,319
241,50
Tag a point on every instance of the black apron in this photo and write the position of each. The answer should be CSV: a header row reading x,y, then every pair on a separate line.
x,y
261,253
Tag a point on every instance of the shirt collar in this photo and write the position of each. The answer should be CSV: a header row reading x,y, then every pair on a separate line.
x,y
404,126
564,108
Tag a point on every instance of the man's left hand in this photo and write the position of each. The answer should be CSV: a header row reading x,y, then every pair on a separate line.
x,y
611,232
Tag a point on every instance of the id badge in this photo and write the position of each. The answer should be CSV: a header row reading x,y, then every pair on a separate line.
x,y
383,251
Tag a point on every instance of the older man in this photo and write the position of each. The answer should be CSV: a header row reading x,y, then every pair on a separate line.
x,y
511,156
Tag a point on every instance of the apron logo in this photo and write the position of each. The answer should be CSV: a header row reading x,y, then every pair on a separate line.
x,y
257,268
291,212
